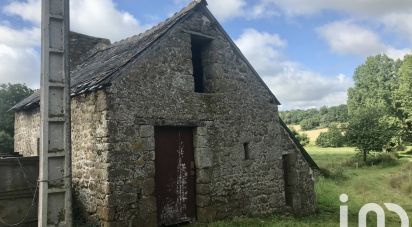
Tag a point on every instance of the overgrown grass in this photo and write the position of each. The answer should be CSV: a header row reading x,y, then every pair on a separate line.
x,y
368,184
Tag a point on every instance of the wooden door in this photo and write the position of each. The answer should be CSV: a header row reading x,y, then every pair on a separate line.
x,y
175,175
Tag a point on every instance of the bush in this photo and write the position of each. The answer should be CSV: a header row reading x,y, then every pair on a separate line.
x,y
332,138
309,123
301,137
335,174
374,158
304,139
6,142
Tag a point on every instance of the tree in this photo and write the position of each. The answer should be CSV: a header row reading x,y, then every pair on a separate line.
x,y
372,100
310,123
369,131
6,143
332,138
10,95
404,96
375,83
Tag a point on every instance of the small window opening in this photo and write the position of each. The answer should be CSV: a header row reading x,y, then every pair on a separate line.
x,y
246,151
198,48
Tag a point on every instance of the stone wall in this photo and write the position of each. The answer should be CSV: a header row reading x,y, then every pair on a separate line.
x,y
80,45
90,156
158,90
304,200
18,181
27,132
89,151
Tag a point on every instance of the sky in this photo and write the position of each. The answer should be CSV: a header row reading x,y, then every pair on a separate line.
x,y
305,51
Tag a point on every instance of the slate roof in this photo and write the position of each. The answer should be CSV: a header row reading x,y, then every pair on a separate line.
x,y
102,66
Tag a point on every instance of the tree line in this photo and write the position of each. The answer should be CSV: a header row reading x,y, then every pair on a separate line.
x,y
316,118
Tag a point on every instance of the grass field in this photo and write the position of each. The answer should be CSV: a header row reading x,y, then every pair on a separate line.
x,y
376,184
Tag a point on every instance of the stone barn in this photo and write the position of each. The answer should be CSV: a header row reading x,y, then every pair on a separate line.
x,y
174,125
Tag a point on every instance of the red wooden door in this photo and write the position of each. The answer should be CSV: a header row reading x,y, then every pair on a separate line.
x,y
175,175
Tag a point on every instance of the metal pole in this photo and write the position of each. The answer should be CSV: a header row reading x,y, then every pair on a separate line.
x,y
55,138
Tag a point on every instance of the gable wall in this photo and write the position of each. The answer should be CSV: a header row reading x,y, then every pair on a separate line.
x,y
158,90
27,132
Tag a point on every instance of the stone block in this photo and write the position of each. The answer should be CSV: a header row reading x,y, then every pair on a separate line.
x,y
201,131
203,189
200,141
203,158
202,200
146,131
106,213
206,214
148,187
203,176
148,205
148,143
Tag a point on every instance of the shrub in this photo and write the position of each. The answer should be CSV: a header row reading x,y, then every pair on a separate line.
x,y
301,137
335,174
304,139
6,142
374,158
309,123
332,138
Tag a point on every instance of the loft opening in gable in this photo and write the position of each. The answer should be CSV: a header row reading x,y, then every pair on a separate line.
x,y
199,47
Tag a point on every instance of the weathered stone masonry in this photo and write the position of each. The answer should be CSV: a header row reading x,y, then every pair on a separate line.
x,y
114,143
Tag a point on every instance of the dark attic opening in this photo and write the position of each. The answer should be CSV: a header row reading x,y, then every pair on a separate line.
x,y
199,48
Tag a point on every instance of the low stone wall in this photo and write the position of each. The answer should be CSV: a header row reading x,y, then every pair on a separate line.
x,y
18,180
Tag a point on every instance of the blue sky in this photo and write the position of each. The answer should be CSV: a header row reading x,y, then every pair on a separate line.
x,y
306,51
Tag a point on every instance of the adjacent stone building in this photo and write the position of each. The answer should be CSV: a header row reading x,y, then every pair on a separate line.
x,y
174,125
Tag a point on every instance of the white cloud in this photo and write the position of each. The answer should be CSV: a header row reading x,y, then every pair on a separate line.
x,y
19,60
85,15
295,86
102,18
19,55
394,15
401,23
19,65
346,37
29,10
26,37
227,9
222,10
373,8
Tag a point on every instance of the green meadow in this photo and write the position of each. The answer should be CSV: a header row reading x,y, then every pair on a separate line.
x,y
380,183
